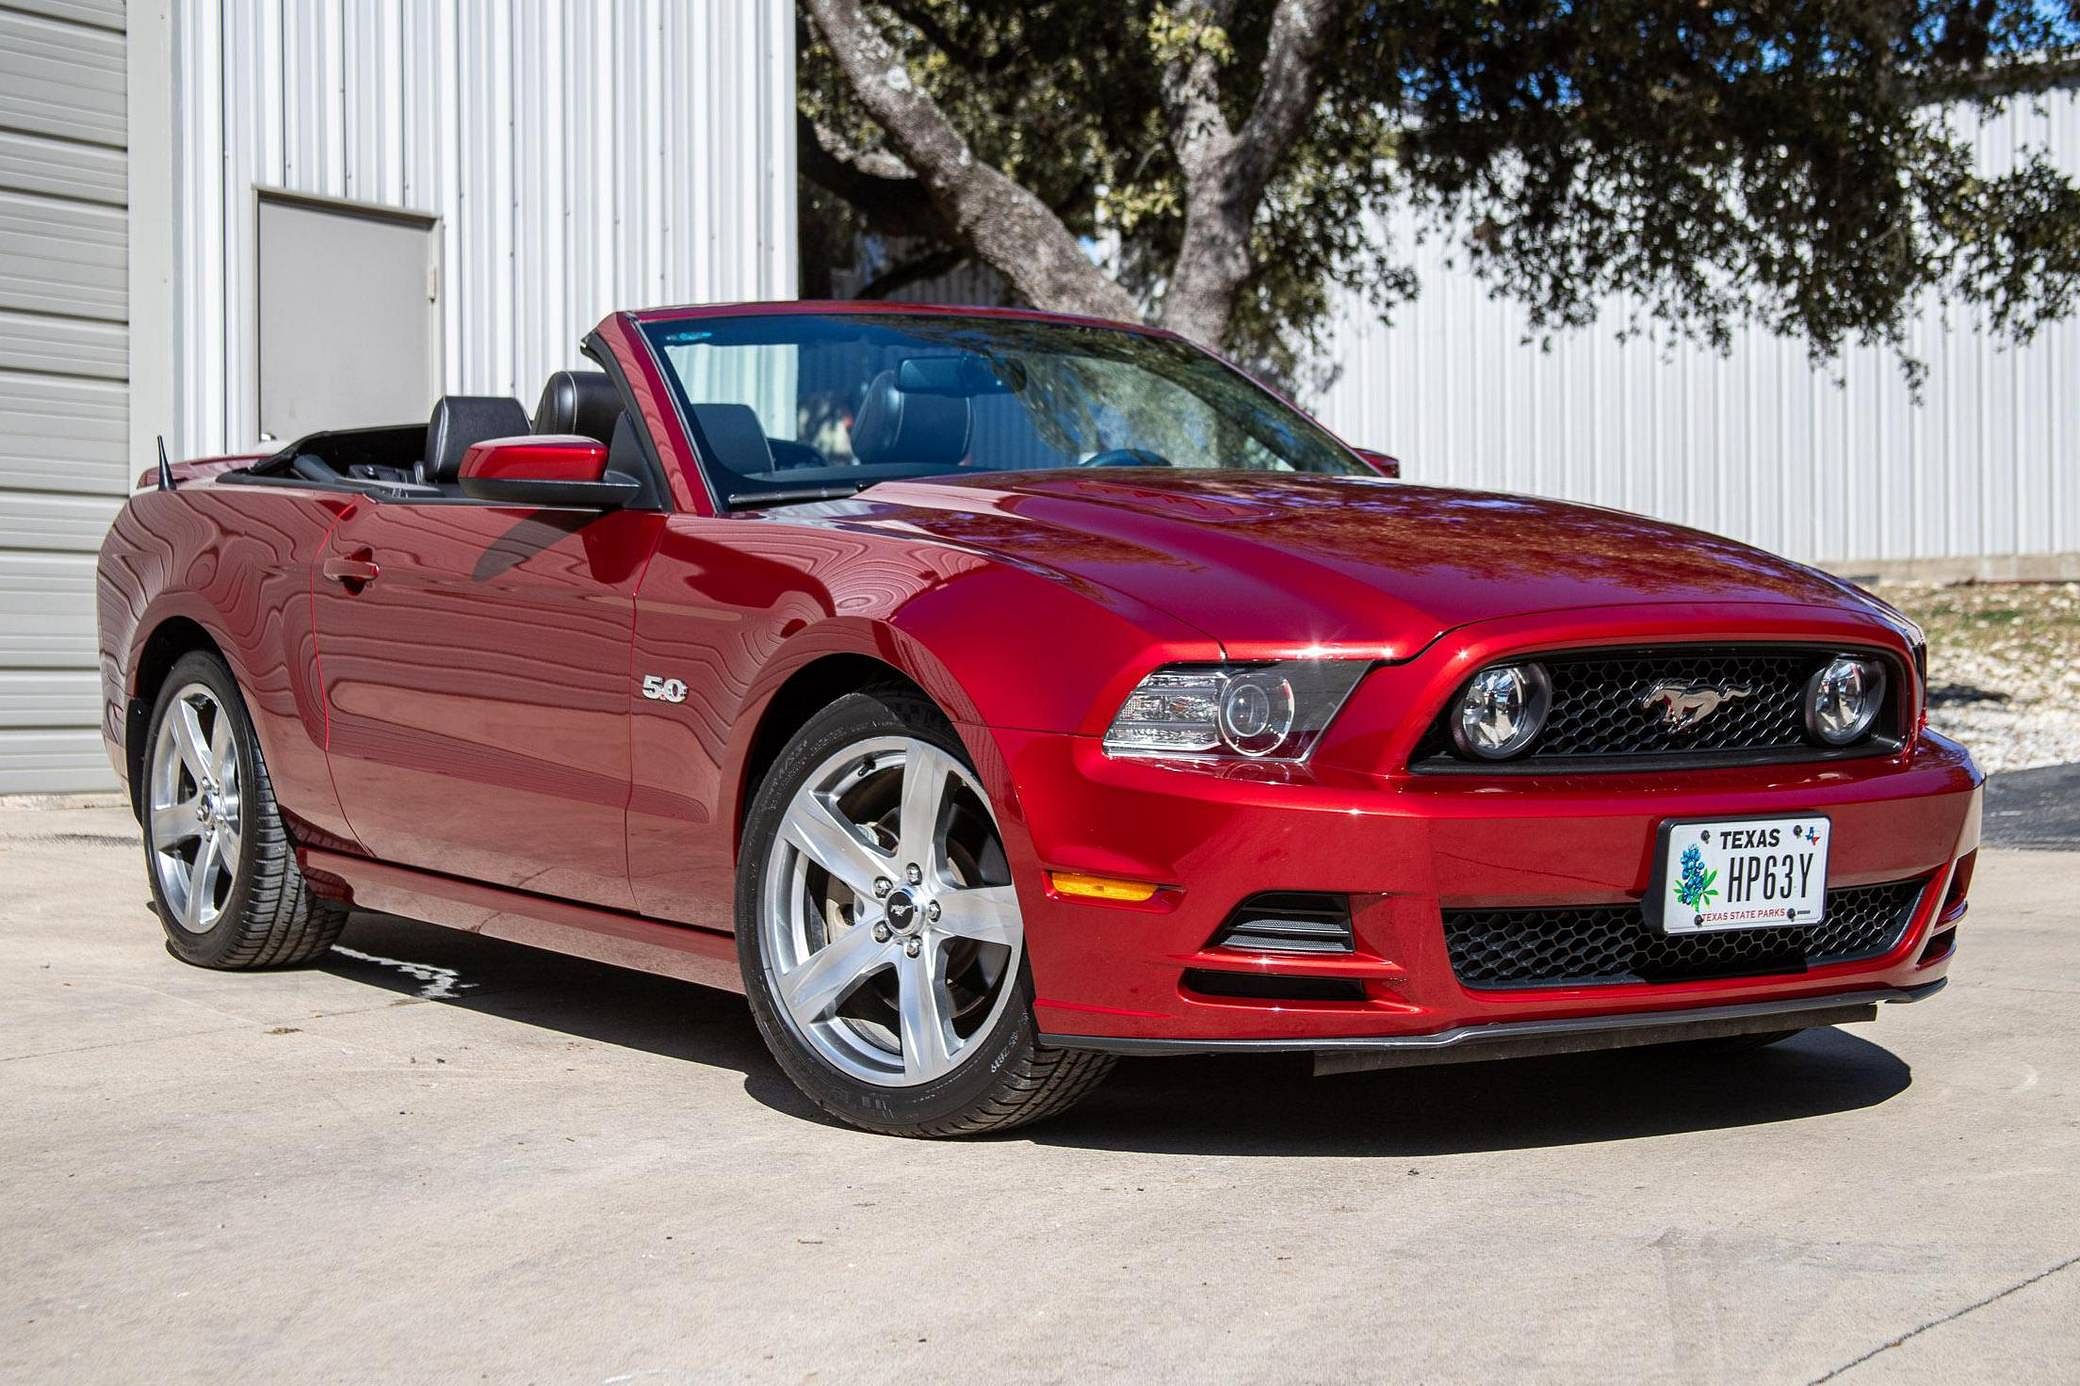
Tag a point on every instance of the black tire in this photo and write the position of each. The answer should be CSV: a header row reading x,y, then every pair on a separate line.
x,y
1005,1077
270,917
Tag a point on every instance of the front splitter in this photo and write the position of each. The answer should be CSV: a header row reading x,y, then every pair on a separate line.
x,y
1521,1039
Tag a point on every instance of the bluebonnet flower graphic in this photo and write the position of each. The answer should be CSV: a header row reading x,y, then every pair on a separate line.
x,y
1698,887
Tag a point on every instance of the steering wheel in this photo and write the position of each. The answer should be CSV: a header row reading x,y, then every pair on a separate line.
x,y
1125,457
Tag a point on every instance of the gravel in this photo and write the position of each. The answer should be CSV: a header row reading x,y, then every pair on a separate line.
x,y
2003,667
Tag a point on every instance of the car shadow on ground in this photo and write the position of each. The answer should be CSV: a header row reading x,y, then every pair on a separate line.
x,y
1256,1105
1273,1105
585,1000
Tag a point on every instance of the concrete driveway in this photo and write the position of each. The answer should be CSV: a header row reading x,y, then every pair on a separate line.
x,y
438,1157
2034,808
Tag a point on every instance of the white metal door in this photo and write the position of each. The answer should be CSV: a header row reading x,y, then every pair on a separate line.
x,y
348,317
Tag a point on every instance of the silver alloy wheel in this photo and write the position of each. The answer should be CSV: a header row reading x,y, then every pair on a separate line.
x,y
889,928
192,800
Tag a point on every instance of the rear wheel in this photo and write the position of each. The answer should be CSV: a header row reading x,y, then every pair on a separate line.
x,y
880,935
223,871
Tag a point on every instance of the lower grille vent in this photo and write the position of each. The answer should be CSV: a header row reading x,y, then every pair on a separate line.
x,y
1260,986
1614,943
1288,922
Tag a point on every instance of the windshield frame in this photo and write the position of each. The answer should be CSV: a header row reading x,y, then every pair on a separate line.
x,y
724,489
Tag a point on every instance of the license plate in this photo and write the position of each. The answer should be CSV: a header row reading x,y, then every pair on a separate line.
x,y
1745,873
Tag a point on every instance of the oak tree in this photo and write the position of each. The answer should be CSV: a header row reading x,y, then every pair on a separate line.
x,y
1224,167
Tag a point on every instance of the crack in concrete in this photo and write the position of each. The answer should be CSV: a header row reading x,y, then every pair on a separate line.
x,y
1950,1317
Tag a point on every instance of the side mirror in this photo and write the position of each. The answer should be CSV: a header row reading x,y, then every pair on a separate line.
x,y
1380,462
552,470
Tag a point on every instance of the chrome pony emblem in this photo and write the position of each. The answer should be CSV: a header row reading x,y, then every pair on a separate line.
x,y
1683,704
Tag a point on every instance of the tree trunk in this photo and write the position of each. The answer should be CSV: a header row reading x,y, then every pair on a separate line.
x,y
1006,225
1226,172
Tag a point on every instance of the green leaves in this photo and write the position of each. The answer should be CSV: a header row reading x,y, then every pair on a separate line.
x,y
1806,165
1172,36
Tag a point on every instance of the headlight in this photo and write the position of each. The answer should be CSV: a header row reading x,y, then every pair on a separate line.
x,y
1502,710
1262,711
1844,698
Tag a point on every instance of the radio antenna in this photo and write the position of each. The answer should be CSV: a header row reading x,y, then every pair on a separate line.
x,y
165,467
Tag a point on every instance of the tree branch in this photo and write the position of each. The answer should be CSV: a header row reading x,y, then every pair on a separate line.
x,y
1226,172
2017,78
930,265
1190,86
891,204
1005,225
936,34
1292,85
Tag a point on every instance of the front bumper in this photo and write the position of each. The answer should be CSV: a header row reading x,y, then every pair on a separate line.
x,y
1406,847
1525,1039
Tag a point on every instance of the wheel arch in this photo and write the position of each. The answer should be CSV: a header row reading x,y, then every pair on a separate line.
x,y
171,639
980,641
806,691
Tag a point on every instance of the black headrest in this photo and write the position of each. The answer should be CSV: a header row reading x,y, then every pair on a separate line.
x,y
583,402
908,427
460,421
735,437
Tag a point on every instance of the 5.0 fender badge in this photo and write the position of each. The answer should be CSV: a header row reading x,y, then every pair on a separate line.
x,y
664,690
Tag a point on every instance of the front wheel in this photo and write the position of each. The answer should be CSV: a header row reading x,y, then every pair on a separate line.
x,y
880,936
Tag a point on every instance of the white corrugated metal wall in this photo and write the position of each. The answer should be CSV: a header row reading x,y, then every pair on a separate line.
x,y
1756,444
581,157
64,373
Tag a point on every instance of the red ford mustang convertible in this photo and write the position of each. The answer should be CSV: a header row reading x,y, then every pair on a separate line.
x,y
990,694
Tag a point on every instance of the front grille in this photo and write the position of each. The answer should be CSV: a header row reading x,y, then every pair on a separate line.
x,y
1599,712
1603,944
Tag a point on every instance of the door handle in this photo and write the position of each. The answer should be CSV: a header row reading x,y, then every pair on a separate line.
x,y
352,571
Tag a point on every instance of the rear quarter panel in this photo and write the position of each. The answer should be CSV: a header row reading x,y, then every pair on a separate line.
x,y
238,562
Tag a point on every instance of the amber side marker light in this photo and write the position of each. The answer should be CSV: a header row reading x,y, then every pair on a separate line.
x,y
1076,884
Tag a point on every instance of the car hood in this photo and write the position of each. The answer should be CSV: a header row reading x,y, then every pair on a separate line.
x,y
1254,558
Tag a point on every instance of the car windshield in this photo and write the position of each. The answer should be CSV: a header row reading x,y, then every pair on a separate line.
x,y
804,406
